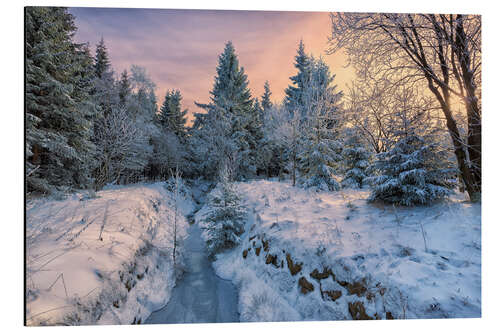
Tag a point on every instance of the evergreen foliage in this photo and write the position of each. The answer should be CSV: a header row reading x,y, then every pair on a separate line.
x,y
171,116
356,161
225,223
124,87
59,111
231,129
102,64
266,97
295,93
282,135
85,127
412,173
104,90
320,149
124,133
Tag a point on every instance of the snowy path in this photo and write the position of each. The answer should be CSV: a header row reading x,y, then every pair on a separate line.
x,y
200,296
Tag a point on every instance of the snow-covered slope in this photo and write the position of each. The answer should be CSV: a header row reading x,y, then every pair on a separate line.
x,y
331,256
104,260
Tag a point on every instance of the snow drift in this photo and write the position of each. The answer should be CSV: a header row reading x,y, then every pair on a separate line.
x,y
104,259
309,255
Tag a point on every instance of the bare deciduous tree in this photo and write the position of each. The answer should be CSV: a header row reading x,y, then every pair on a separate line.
x,y
117,138
382,112
442,51
287,131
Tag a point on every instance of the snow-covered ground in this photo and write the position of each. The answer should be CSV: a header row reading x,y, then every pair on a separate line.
x,y
103,260
332,256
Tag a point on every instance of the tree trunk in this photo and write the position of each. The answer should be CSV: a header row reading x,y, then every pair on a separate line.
x,y
460,149
473,111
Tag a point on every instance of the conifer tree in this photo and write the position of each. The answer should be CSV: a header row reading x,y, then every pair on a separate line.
x,y
104,91
124,87
262,149
230,126
356,160
102,65
59,111
320,145
171,116
224,225
266,97
413,172
294,93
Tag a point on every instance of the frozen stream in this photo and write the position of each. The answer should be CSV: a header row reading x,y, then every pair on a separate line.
x,y
200,296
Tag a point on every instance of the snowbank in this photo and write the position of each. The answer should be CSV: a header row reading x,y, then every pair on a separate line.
x,y
103,260
333,256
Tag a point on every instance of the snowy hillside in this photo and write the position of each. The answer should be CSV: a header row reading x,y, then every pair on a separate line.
x,y
331,255
104,260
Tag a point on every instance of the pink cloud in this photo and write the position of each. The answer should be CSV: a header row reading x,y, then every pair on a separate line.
x,y
179,48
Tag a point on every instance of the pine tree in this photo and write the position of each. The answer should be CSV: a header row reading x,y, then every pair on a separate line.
x,y
266,98
413,172
171,116
104,91
321,148
225,223
295,93
59,111
102,65
356,160
229,127
124,87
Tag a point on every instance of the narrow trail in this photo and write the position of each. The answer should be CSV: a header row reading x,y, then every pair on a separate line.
x,y
200,296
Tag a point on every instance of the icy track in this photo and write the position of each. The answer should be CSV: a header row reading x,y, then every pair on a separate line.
x,y
200,296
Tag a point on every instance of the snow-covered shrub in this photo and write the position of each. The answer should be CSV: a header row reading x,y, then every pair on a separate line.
x,y
356,161
172,185
224,224
315,164
413,172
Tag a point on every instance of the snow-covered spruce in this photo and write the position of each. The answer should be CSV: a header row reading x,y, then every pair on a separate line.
x,y
316,172
356,160
224,221
105,258
231,129
320,146
59,149
413,172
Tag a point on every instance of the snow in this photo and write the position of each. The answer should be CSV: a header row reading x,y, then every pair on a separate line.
x,y
419,262
104,259
200,296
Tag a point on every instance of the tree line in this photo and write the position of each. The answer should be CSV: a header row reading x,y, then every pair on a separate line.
x,y
86,128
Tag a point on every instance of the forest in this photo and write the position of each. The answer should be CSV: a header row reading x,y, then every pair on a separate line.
x,y
410,126
403,141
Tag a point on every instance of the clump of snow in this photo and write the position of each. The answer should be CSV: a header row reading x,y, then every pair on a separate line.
x,y
104,258
352,258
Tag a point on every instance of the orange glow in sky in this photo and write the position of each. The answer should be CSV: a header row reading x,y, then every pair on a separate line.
x,y
179,48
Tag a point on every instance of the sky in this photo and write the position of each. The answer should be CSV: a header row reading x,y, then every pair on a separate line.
x,y
180,48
